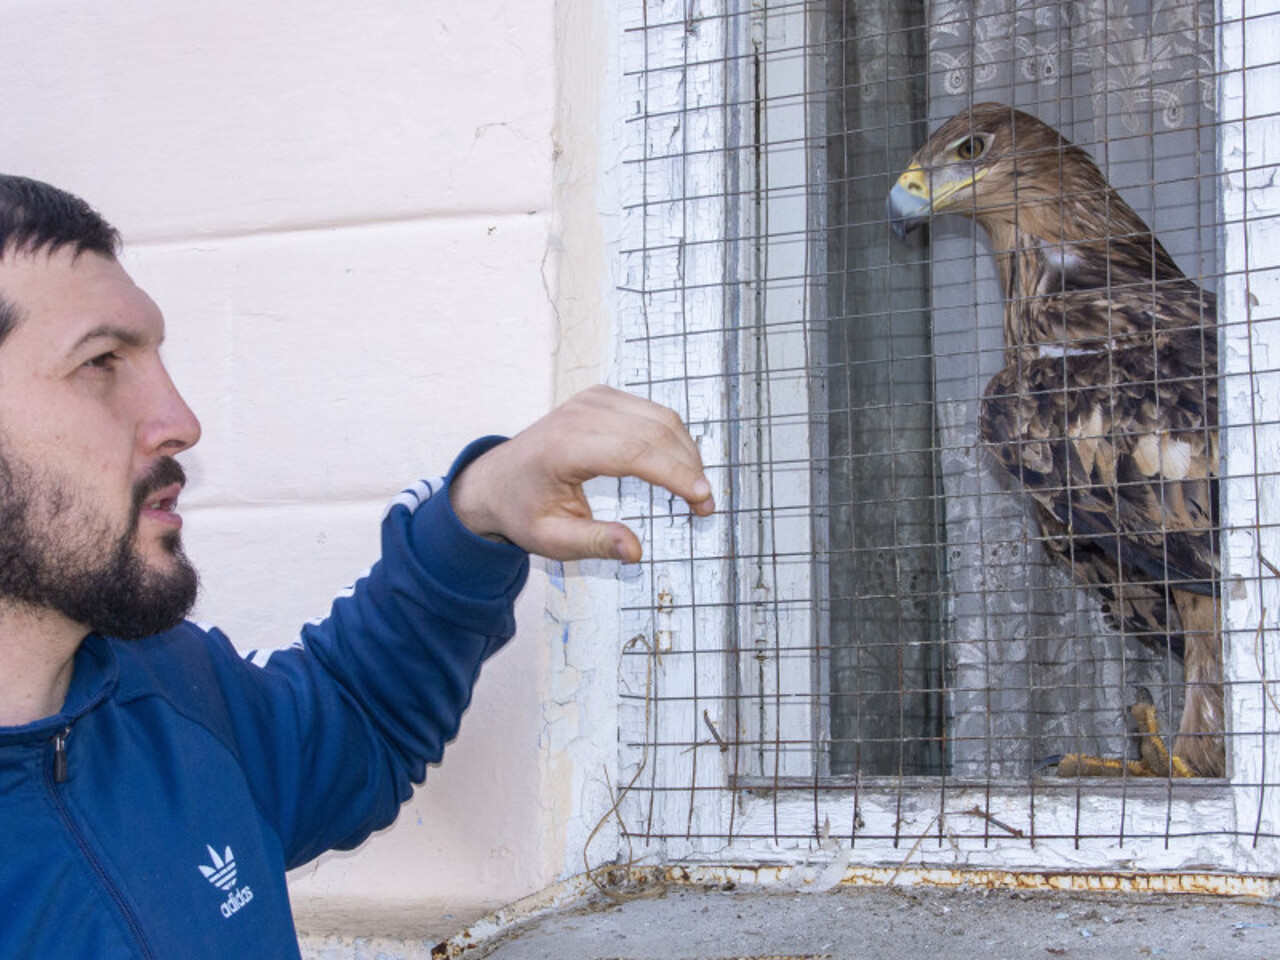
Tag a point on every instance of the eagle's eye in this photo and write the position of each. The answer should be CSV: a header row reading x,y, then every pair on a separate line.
x,y
971,148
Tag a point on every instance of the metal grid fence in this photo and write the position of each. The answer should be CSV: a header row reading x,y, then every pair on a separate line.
x,y
869,653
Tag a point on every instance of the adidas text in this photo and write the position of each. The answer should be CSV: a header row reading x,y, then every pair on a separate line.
x,y
237,899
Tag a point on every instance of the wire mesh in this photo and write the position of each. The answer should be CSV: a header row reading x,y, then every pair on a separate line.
x,y
877,647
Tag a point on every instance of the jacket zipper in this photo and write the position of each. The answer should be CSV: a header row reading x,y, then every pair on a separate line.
x,y
58,776
60,756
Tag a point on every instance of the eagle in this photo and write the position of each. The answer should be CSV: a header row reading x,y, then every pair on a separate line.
x,y
1106,410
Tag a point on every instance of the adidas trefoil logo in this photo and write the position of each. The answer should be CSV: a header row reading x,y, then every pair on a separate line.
x,y
222,874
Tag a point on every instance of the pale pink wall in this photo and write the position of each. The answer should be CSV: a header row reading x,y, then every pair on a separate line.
x,y
344,211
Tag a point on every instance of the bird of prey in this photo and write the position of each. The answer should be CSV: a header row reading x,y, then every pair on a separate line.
x,y
1106,411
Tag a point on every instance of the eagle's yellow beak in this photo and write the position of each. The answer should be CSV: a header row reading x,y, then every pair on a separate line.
x,y
909,204
911,201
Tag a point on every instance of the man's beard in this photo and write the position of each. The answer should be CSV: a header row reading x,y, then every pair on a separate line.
x,y
57,554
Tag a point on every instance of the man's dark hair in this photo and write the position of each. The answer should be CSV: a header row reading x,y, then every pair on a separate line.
x,y
35,216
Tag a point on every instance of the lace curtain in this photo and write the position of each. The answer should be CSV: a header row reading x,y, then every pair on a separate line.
x,y
1018,664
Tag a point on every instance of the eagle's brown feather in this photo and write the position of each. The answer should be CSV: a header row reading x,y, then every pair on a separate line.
x,y
1106,410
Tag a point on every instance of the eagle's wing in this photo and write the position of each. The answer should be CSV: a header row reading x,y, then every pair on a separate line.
x,y
1119,447
1137,609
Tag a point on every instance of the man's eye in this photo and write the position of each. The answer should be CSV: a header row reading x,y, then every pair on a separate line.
x,y
104,361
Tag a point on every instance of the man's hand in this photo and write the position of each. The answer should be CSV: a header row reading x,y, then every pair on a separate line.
x,y
529,489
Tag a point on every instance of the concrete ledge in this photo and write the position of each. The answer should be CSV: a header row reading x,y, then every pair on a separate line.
x,y
888,923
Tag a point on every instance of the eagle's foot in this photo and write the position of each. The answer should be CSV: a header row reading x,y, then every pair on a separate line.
x,y
1156,760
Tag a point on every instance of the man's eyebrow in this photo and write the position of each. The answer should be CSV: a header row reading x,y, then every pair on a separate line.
x,y
111,331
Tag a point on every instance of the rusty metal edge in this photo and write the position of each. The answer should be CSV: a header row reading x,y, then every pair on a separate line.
x,y
637,881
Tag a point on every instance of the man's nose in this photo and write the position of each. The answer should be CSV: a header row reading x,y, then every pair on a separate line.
x,y
171,426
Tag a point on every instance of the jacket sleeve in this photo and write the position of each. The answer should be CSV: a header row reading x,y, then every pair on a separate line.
x,y
352,713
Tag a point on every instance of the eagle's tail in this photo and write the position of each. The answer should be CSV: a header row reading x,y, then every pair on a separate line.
x,y
1200,736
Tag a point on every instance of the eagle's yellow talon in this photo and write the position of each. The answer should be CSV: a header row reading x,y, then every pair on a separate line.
x,y
1156,760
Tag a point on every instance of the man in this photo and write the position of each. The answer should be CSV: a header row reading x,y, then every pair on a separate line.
x,y
154,786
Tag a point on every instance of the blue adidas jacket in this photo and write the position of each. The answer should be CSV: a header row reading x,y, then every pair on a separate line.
x,y
155,816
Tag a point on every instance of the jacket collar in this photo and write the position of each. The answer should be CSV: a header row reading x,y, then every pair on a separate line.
x,y
94,679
